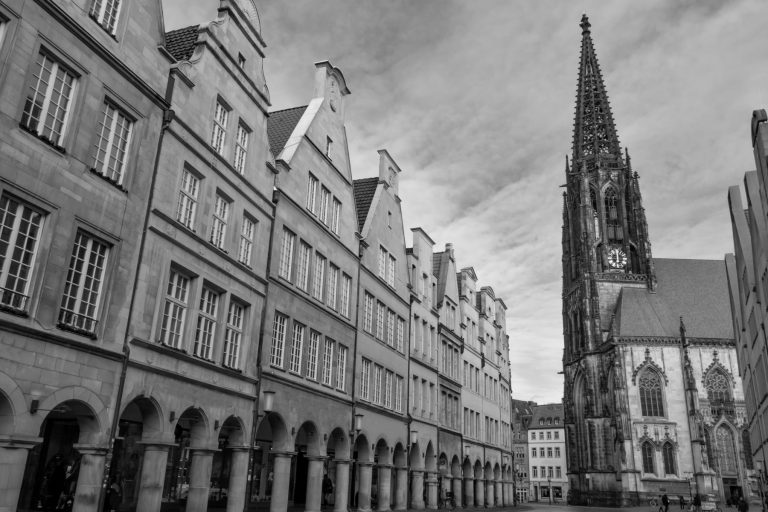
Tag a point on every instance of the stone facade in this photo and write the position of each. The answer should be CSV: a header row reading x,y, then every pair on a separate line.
x,y
547,454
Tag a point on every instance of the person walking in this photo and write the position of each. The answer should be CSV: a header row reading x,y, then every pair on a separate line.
x,y
743,505
697,503
682,502
665,502
327,490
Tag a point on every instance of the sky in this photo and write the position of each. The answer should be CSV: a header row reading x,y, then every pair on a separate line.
x,y
475,101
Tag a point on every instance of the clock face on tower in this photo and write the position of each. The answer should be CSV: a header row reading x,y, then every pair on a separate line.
x,y
616,258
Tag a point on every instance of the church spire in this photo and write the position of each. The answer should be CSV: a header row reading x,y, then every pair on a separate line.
x,y
594,133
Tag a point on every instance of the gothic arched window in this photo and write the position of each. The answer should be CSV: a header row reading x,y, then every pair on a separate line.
x,y
614,229
718,387
595,214
726,450
651,399
668,453
647,449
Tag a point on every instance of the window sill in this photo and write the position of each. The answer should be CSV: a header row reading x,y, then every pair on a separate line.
x,y
14,311
109,180
47,141
76,330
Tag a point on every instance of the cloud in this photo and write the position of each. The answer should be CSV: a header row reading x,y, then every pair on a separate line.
x,y
475,102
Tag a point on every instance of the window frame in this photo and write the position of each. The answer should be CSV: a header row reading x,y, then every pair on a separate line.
x,y
222,206
99,17
218,140
241,147
103,170
206,317
188,217
182,304
246,241
233,334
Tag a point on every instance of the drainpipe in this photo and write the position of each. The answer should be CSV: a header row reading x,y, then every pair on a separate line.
x,y
168,116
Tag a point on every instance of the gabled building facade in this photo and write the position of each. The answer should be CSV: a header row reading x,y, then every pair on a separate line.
x,y
547,456
522,413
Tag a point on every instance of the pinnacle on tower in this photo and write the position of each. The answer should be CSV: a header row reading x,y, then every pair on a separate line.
x,y
594,132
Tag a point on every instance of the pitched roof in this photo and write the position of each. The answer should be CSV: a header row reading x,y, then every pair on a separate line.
x,y
697,290
546,412
365,189
181,42
280,125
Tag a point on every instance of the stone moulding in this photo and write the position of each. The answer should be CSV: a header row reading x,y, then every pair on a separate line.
x,y
618,276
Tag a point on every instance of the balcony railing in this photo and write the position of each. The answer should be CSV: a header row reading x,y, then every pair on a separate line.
x,y
13,301
75,322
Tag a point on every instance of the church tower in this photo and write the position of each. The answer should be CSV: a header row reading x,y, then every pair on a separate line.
x,y
605,248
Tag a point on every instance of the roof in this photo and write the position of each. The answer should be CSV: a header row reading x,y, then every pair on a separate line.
x,y
364,189
437,260
181,42
696,290
546,412
280,125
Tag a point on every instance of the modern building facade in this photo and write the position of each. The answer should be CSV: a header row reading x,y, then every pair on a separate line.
x,y
198,301
653,398
547,456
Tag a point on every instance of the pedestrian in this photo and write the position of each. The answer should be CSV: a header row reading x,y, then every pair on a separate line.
x,y
743,505
114,495
682,502
697,503
327,490
665,502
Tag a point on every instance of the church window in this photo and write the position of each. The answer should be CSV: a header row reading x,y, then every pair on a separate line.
x,y
718,387
668,453
595,214
650,394
726,450
647,450
615,231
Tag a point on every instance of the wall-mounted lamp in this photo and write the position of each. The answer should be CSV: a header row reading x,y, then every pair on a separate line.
x,y
269,401
358,422
293,431
172,416
216,425
34,405
414,437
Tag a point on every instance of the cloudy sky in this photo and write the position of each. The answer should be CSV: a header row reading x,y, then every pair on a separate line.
x,y
475,100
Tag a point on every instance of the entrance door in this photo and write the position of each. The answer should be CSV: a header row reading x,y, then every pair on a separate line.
x,y
300,486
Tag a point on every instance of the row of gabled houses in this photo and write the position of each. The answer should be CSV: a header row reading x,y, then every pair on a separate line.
x,y
200,308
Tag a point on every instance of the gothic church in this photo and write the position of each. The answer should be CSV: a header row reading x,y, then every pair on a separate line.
x,y
653,400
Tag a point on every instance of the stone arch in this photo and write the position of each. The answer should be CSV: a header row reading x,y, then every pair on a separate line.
x,y
308,436
455,467
649,364
442,464
417,462
430,459
7,420
497,472
382,451
400,458
12,403
726,440
91,431
338,444
466,468
363,449
233,432
147,411
488,470
194,420
478,469
273,428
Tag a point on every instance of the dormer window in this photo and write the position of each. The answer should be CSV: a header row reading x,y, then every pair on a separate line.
x,y
241,60
105,13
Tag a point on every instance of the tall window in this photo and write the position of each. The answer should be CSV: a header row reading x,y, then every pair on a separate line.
x,y
286,254
302,270
365,379
241,148
47,108
20,227
650,394
377,377
391,328
206,324
233,335
219,132
278,340
114,137
346,285
341,366
380,311
105,13
80,303
319,281
297,348
668,453
388,382
399,394
246,242
615,230
391,266
368,314
595,213
400,334
312,355
219,224
333,283
328,362
175,310
336,216
382,262
726,450
718,387
647,453
187,205
325,197
312,194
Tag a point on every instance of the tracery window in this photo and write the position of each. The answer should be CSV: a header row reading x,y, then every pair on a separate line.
x,y
614,229
651,400
647,450
595,215
718,387
668,453
726,450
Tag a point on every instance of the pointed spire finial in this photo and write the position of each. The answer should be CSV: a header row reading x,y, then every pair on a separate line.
x,y
585,24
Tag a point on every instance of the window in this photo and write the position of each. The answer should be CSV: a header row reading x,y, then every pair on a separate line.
x,y
718,387
336,217
219,224
549,452
534,472
328,147
400,334
241,147
399,394
246,242
549,471
278,340
20,227
647,453
333,282
541,436
650,394
557,451
390,328
312,355
365,378
319,281
296,350
557,433
380,311
391,271
233,335
377,376
206,324
388,381
346,285
219,132
558,472
105,13
175,310
549,435
615,230
47,107
382,262
533,453
312,194
726,449
114,137
80,303
240,60
341,368
368,314
325,197
286,255
668,454
302,271
187,206
533,436
328,362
